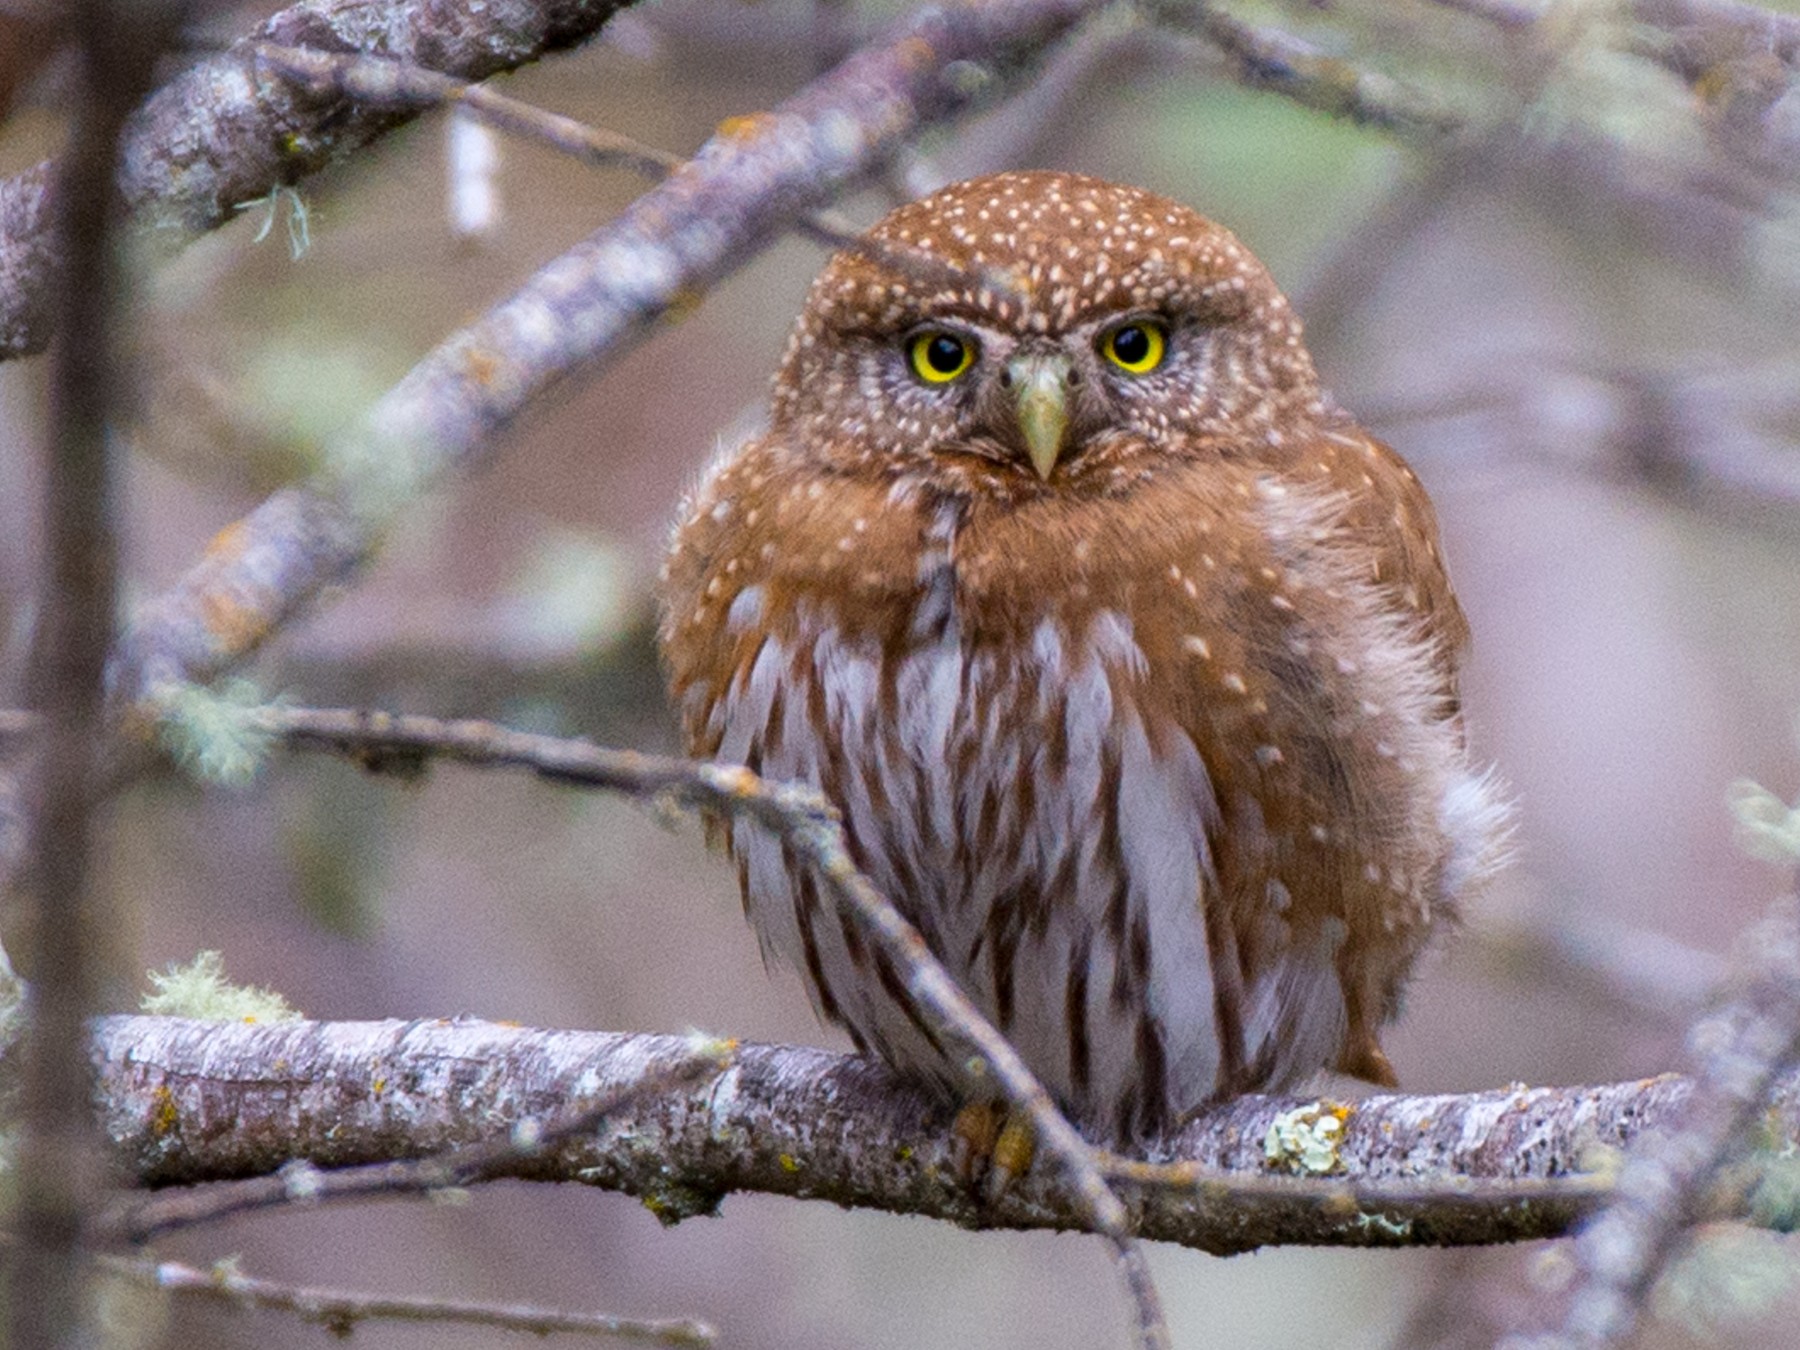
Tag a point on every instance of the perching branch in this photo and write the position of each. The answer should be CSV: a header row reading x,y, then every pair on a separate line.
x,y
190,1102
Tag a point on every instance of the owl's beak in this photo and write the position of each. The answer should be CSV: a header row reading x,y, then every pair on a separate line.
x,y
1041,385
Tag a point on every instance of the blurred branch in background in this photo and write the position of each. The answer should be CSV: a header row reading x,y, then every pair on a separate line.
x,y
1745,1051
71,951
218,136
754,179
1713,440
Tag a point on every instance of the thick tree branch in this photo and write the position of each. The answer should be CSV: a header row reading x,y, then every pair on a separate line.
x,y
188,1102
222,133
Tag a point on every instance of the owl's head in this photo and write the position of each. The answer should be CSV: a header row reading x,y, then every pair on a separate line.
x,y
1037,329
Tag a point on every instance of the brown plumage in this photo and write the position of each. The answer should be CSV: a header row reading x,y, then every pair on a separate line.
x,y
1130,659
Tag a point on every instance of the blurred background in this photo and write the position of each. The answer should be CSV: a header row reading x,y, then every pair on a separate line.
x,y
1575,315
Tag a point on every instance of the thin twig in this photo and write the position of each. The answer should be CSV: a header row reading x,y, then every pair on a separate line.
x,y
341,1311
1266,58
382,81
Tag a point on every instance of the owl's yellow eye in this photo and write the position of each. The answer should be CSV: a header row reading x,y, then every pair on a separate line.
x,y
939,357
1136,347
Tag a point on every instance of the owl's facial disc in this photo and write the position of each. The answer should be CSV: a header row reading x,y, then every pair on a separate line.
x,y
1040,387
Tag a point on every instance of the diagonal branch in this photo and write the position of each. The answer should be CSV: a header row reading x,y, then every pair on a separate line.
x,y
751,181
1747,1051
811,829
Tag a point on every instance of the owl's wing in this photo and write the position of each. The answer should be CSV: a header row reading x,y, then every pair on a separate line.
x,y
1386,511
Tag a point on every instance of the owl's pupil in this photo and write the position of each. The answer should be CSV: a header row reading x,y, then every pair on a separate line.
x,y
944,354
1131,345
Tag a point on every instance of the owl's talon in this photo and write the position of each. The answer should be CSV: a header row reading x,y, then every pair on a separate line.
x,y
1364,1058
974,1135
1012,1155
992,1147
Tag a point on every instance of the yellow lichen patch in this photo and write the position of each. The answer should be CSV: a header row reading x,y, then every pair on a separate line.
x,y
789,1163
915,53
228,543
235,625
378,1086
682,303
743,128
164,1117
1306,1140
479,366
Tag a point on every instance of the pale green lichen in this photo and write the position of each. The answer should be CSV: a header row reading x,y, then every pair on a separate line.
x,y
1306,1140
213,731
1393,1230
12,1002
299,220
1767,827
199,989
1725,1274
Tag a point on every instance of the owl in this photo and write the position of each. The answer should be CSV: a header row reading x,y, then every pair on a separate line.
x,y
1128,658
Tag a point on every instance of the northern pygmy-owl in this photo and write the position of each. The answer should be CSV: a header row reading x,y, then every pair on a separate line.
x,y
1129,659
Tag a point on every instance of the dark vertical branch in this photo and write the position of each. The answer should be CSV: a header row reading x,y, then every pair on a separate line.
x,y
59,1165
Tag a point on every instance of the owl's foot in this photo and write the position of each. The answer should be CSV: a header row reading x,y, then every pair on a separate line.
x,y
1363,1057
992,1146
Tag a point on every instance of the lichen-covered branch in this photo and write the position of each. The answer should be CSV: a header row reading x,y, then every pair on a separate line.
x,y
223,133
188,1102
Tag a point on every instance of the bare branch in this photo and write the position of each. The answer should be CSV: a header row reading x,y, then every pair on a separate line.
x,y
381,82
222,134
189,1102
340,1311
1265,58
